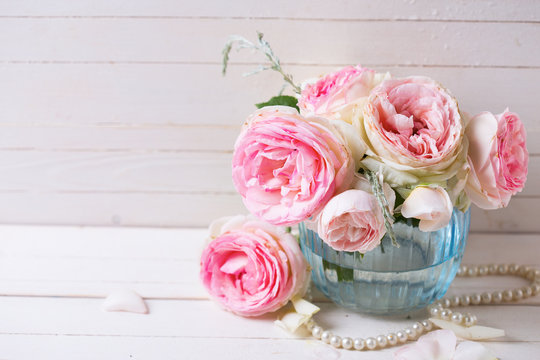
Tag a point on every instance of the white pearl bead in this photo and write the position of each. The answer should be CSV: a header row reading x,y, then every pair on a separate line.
x,y
513,268
486,298
483,270
317,332
392,339
503,269
446,303
496,297
402,336
508,295
455,300
371,343
465,300
411,334
492,269
535,288
445,314
473,271
435,311
518,294
335,341
418,328
347,343
523,270
428,325
461,271
476,299
527,291
468,320
310,324
326,336
359,343
382,341
457,318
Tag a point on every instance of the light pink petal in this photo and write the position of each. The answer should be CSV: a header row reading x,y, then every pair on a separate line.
x,y
432,205
234,264
436,345
469,350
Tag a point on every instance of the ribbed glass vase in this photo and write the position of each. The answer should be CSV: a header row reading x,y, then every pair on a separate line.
x,y
397,280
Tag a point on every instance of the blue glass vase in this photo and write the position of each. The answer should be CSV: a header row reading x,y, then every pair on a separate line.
x,y
390,280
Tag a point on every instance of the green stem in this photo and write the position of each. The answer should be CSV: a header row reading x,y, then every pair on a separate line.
x,y
264,47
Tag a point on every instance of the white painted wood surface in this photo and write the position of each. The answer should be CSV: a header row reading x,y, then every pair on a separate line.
x,y
116,113
53,281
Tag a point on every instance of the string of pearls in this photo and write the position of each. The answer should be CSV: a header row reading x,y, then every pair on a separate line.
x,y
441,309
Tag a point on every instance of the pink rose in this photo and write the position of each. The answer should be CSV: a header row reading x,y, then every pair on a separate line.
x,y
353,220
498,159
251,267
287,167
414,127
332,95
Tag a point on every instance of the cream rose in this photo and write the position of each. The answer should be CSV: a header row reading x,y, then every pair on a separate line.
x,y
414,131
431,205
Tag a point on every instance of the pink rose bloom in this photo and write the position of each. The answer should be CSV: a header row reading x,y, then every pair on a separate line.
x,y
431,205
498,159
251,267
287,167
441,345
414,126
353,220
332,94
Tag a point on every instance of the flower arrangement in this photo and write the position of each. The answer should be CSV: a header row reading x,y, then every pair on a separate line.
x,y
356,150
350,154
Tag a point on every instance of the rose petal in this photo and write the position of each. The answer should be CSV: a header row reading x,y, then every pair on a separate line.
x,y
436,345
471,333
431,205
469,350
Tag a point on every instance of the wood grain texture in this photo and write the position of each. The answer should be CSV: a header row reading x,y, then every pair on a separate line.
x,y
113,109
85,317
67,271
141,40
484,10
115,113
168,348
136,96
164,263
117,170
172,209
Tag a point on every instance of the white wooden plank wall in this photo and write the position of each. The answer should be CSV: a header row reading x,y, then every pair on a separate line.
x,y
116,113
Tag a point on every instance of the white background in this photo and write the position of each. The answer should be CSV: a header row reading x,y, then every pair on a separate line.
x,y
116,113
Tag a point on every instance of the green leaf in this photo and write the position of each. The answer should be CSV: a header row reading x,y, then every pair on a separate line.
x,y
407,221
343,274
284,100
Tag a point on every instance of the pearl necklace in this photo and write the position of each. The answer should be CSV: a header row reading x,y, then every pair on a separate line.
x,y
441,309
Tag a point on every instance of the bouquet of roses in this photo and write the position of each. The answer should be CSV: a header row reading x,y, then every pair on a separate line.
x,y
350,154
